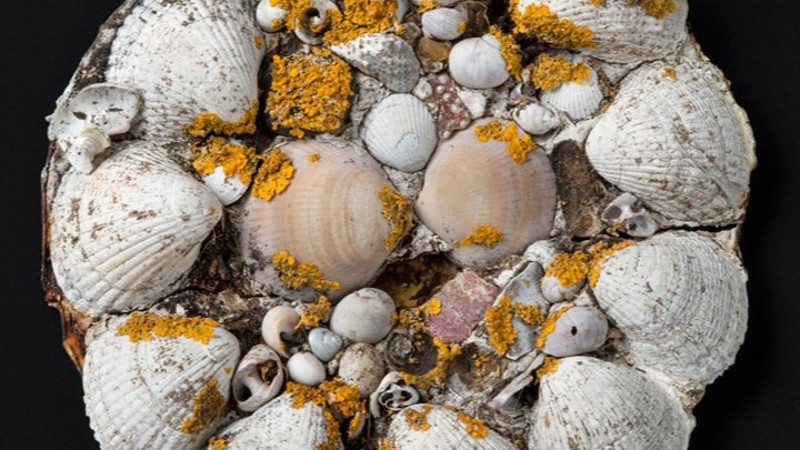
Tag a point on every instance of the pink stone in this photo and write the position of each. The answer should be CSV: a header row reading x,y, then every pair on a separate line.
x,y
464,300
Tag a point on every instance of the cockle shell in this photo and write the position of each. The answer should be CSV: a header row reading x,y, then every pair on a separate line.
x,y
622,31
329,216
384,56
680,145
145,390
250,389
123,236
478,63
676,281
324,344
579,101
444,24
592,404
400,132
469,184
364,316
361,366
576,330
535,118
157,52
442,428
305,368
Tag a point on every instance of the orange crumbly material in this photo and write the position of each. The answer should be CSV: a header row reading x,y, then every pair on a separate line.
x,y
418,420
549,72
413,317
259,41
355,426
314,157
498,324
485,235
509,49
545,25
444,354
396,209
210,123
314,313
518,147
569,268
360,17
296,275
671,73
148,326
208,403
235,160
549,366
309,92
343,398
474,427
528,314
274,176
600,252
386,444
549,326
432,307
427,5
332,396
656,8
217,443
462,27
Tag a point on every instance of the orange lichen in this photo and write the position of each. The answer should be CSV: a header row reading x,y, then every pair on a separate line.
x,y
355,426
418,419
444,354
148,326
549,72
671,73
569,268
518,147
217,443
343,398
314,157
431,308
656,8
309,92
509,49
528,314
485,235
385,443
599,252
360,17
259,41
545,25
427,5
314,313
235,160
397,210
413,317
462,27
474,427
549,366
274,175
208,403
296,275
498,324
332,396
549,326
210,123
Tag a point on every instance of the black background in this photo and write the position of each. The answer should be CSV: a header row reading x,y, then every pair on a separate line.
x,y
753,406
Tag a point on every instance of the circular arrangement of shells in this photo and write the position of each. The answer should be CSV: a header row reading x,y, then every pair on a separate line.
x,y
452,224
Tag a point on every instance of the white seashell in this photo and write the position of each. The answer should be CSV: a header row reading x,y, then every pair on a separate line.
x,y
258,379
507,400
474,101
227,189
576,330
279,425
477,63
444,24
324,344
185,59
317,16
681,146
305,368
400,132
278,322
622,31
554,291
577,100
535,118
361,366
392,394
124,236
364,316
270,18
524,289
447,430
592,404
144,390
384,56
672,281
627,214
84,147
439,2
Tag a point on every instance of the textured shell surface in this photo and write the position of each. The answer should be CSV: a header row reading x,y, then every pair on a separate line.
x,y
149,393
123,236
324,343
250,388
524,289
270,17
478,63
157,52
676,281
362,366
305,368
469,184
400,132
384,56
577,100
577,330
680,145
228,189
444,23
535,118
364,316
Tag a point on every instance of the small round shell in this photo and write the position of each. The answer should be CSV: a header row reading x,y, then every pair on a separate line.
x,y
477,63
361,366
258,379
571,331
536,119
433,427
444,24
324,344
278,322
364,316
305,368
269,17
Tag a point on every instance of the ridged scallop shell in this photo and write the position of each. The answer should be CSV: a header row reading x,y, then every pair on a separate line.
x,y
384,56
278,425
123,236
592,404
188,58
577,100
400,132
681,146
142,394
477,63
469,184
676,281
622,31
446,431
444,24
329,216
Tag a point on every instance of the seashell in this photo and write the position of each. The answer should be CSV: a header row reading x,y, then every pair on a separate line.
x,y
589,403
364,316
400,132
463,301
445,3
524,290
157,381
314,18
279,425
277,323
361,366
330,216
620,31
478,63
470,184
444,24
228,189
535,118
555,286
324,344
125,235
676,280
157,52
392,394
579,101
508,399
681,146
82,149
432,427
626,214
571,331
305,368
384,56
258,379
270,18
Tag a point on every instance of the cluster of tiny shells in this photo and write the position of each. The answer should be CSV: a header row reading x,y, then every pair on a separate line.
x,y
444,233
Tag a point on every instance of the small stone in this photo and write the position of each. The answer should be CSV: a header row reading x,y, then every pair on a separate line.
x,y
433,50
464,300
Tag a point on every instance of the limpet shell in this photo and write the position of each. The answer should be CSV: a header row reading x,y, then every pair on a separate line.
x,y
478,63
433,427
